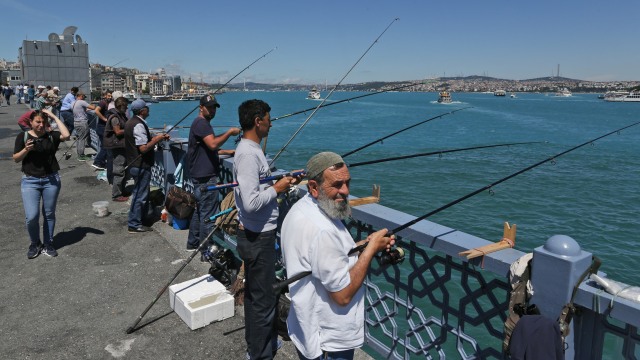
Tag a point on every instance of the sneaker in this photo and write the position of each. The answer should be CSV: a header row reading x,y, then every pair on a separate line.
x,y
49,250
98,167
83,158
192,248
34,251
133,230
120,199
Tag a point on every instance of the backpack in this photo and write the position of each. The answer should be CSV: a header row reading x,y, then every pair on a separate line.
x,y
229,222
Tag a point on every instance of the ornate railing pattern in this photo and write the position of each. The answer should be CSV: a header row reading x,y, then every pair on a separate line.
x,y
436,305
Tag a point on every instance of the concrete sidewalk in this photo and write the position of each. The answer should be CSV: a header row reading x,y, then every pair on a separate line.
x,y
79,304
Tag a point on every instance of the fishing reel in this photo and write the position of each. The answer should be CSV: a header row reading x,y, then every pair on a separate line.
x,y
392,257
223,264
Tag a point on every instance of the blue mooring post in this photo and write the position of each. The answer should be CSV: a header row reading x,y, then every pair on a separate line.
x,y
556,268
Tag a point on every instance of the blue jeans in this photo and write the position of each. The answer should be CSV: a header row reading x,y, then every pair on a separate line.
x,y
139,196
33,189
67,119
258,252
101,157
208,205
337,355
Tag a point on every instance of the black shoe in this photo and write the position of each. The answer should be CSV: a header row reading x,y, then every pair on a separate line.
x,y
34,251
133,230
49,250
191,248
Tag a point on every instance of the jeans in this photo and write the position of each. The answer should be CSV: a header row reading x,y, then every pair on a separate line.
x,y
67,119
101,157
336,355
139,196
258,252
82,132
33,189
118,173
208,205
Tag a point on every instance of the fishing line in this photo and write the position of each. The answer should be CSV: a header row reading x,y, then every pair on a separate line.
x,y
439,153
489,186
328,95
215,92
222,86
359,248
349,99
370,162
399,131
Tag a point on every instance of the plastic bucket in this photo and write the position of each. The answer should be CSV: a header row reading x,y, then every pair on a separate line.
x,y
101,208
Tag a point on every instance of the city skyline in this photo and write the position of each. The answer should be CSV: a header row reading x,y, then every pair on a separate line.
x,y
318,43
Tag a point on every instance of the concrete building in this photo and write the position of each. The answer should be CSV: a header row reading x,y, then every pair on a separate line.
x,y
62,60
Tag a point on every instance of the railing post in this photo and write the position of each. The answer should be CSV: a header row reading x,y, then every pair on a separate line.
x,y
556,267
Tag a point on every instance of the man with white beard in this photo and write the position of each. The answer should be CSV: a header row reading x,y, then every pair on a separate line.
x,y
326,317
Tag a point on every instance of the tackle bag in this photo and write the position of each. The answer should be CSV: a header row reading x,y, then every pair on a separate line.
x,y
229,222
180,203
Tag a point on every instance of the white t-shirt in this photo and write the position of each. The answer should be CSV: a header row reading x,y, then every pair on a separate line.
x,y
313,242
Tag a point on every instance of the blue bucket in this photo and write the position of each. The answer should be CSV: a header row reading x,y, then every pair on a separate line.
x,y
180,224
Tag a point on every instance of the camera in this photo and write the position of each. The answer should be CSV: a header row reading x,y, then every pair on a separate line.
x,y
392,257
224,266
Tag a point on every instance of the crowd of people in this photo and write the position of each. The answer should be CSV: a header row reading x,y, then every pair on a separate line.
x,y
326,317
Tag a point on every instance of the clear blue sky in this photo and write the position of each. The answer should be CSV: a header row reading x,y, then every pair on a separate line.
x,y
319,41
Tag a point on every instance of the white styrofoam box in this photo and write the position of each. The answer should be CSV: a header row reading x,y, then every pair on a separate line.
x,y
201,301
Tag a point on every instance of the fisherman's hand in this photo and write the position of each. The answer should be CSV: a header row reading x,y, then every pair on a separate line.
x,y
283,184
379,242
297,179
234,131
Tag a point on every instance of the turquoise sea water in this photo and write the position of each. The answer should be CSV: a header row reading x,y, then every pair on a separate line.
x,y
591,194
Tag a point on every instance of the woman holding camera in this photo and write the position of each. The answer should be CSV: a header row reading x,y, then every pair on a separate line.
x,y
36,149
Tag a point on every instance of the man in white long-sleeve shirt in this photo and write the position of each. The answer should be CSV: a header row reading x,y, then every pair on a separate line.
x,y
258,216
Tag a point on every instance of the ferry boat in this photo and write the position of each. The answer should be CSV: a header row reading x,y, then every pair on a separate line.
x,y
314,94
445,97
622,96
564,93
499,93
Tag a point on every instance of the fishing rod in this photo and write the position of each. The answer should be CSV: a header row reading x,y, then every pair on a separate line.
x,y
440,152
328,95
222,86
216,91
202,245
401,130
349,99
454,202
91,78
262,181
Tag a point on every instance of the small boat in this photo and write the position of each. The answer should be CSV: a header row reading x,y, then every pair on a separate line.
x,y
499,93
314,94
622,96
445,97
513,96
564,93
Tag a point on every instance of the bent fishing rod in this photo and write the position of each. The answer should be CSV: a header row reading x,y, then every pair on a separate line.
x,y
370,162
345,100
222,86
454,202
328,95
203,244
401,130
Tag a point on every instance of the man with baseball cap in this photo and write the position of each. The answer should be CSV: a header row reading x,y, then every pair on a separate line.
x,y
204,168
139,147
326,317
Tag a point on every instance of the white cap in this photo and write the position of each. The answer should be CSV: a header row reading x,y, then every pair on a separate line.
x,y
56,88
